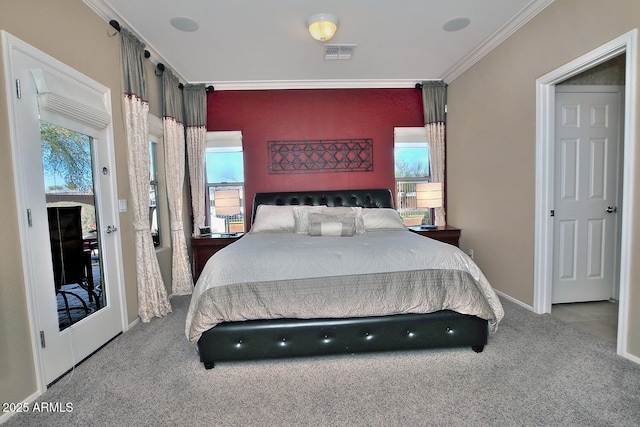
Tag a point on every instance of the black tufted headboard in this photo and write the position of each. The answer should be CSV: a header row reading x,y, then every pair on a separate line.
x,y
374,198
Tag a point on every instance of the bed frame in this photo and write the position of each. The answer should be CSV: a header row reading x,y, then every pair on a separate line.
x,y
283,338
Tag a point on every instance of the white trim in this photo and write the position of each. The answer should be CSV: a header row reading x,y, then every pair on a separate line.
x,y
631,357
513,300
504,32
545,99
315,84
4,418
134,323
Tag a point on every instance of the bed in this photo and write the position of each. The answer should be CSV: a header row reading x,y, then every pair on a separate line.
x,y
334,272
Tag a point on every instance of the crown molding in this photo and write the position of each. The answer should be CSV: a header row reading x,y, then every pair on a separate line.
x,y
504,32
316,84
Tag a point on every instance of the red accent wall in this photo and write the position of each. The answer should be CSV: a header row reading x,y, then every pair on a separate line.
x,y
298,114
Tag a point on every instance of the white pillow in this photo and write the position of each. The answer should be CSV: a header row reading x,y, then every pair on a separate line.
x,y
382,219
274,218
301,217
357,211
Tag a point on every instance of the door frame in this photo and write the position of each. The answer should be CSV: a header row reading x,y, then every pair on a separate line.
x,y
545,131
10,45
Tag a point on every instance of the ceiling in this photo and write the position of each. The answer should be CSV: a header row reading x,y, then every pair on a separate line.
x,y
248,44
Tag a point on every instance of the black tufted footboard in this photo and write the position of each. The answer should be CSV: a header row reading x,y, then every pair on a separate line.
x,y
264,339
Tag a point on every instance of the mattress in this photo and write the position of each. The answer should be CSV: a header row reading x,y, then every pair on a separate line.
x,y
288,275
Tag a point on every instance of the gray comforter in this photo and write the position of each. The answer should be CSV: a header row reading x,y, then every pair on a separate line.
x,y
286,275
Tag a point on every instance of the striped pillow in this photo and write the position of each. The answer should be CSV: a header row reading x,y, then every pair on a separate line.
x,y
332,225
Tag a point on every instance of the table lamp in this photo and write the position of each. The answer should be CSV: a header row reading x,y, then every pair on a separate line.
x,y
429,195
227,204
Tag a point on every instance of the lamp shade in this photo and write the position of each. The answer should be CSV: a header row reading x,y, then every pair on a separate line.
x,y
429,195
322,26
227,202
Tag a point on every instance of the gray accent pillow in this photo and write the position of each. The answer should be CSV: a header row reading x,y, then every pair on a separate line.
x,y
301,215
343,225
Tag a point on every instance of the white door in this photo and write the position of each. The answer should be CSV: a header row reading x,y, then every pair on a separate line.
x,y
30,73
588,153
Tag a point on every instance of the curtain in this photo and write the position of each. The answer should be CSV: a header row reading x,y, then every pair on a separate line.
x,y
195,109
152,294
434,101
174,160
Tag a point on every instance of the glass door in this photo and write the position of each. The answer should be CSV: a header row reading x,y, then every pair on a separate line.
x,y
67,162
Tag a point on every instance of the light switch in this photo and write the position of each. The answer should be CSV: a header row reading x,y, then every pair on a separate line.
x,y
122,205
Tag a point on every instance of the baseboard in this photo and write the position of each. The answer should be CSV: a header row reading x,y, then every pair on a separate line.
x,y
134,323
6,416
515,301
631,357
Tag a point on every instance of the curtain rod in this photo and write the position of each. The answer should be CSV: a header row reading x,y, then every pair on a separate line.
x,y
115,24
160,66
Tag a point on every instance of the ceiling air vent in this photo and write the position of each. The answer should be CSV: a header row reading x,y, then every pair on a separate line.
x,y
338,51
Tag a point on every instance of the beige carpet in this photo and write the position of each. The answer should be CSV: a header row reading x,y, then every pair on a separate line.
x,y
535,371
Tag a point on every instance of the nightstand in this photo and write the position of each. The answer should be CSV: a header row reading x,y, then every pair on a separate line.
x,y
447,234
205,246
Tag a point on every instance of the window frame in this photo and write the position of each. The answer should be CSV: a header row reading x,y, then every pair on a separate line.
x,y
156,136
409,137
224,142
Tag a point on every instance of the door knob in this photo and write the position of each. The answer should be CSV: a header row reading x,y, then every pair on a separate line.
x,y
611,209
111,228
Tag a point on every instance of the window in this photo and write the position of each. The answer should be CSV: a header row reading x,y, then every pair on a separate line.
x,y
153,193
158,209
225,182
412,167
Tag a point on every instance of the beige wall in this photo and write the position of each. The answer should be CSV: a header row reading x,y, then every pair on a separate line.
x,y
491,141
72,33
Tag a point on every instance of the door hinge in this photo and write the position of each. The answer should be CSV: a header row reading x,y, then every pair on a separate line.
x,y
18,89
29,218
552,212
42,343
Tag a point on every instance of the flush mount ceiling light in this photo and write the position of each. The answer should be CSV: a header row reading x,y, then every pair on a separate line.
x,y
322,26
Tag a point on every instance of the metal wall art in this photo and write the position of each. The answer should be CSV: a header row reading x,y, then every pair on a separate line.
x,y
322,155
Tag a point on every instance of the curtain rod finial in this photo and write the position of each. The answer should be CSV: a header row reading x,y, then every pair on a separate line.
x,y
115,24
418,85
210,88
